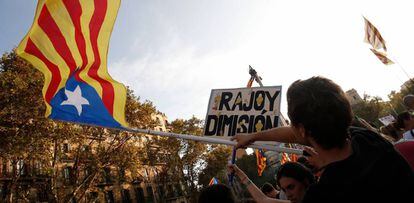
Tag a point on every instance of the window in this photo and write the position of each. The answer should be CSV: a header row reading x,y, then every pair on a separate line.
x,y
107,174
87,171
122,174
125,196
21,167
161,191
3,167
178,189
150,193
36,168
171,191
86,148
109,196
66,148
66,173
139,192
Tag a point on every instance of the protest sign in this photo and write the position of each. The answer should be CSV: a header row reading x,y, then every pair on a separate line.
x,y
242,110
387,119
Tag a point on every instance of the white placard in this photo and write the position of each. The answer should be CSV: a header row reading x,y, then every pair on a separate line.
x,y
387,119
242,110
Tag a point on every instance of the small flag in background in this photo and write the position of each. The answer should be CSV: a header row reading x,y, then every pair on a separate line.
x,y
382,57
260,156
250,82
68,42
294,157
213,181
261,161
285,158
373,37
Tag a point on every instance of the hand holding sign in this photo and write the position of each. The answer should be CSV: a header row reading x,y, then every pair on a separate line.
x,y
243,140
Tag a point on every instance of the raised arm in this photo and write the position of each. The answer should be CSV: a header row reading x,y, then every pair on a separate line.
x,y
254,191
285,134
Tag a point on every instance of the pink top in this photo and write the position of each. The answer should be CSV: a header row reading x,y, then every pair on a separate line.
x,y
406,149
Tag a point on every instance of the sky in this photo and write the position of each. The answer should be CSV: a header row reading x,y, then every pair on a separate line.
x,y
174,52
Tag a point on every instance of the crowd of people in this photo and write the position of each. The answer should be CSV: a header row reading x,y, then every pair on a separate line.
x,y
355,162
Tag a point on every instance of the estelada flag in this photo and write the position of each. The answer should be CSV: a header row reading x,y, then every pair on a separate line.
x,y
68,43
373,37
285,158
260,161
382,57
213,181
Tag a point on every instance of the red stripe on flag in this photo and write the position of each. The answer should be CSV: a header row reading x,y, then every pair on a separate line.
x,y
49,26
75,11
32,49
94,27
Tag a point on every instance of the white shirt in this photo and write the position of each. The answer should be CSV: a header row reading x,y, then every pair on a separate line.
x,y
408,135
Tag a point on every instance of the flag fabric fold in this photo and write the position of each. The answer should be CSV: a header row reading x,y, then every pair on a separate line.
x,y
285,158
382,57
68,42
260,156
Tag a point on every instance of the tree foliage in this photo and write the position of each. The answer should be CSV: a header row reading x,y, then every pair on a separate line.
x,y
215,165
370,109
373,108
191,153
248,165
25,133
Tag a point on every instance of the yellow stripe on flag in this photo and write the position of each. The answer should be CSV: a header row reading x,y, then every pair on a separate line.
x,y
88,9
103,44
64,22
71,34
22,45
42,42
46,73
38,64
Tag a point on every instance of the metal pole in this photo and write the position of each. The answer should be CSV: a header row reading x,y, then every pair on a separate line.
x,y
253,76
213,140
405,72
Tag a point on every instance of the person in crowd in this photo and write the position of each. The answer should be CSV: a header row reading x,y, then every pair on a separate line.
x,y
294,179
356,163
304,161
254,191
409,102
216,193
406,149
362,123
315,171
270,191
390,133
405,121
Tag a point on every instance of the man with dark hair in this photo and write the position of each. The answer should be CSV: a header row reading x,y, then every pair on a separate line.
x,y
405,121
216,193
356,162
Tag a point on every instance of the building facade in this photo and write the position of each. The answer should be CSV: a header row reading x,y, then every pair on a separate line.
x,y
75,172
353,97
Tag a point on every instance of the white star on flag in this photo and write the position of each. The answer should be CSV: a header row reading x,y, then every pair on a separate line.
x,y
75,99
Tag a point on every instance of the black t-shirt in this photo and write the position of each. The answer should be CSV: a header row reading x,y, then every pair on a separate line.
x,y
375,172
